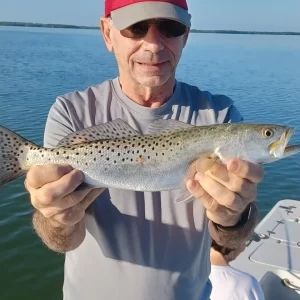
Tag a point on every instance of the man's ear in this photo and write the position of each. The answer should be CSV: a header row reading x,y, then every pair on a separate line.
x,y
105,27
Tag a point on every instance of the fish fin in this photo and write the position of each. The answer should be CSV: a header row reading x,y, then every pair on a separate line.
x,y
13,150
84,186
183,196
162,126
111,130
205,162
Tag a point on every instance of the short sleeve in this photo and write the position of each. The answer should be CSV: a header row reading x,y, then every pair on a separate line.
x,y
58,124
233,115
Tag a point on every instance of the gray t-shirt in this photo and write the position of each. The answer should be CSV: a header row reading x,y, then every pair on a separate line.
x,y
138,246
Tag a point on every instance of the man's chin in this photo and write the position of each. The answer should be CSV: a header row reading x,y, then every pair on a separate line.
x,y
153,81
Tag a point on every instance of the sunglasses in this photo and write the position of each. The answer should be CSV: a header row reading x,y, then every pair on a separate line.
x,y
167,29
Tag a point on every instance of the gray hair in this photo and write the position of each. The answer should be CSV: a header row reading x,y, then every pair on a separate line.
x,y
110,21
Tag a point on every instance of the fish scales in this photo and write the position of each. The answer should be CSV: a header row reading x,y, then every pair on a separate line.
x,y
128,162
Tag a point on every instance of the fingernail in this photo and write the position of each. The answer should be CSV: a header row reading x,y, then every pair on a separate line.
x,y
233,166
192,184
200,176
79,176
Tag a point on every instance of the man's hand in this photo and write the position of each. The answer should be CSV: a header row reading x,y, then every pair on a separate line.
x,y
226,190
52,192
60,206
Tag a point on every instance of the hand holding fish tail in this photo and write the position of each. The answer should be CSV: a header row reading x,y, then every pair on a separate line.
x,y
226,190
60,208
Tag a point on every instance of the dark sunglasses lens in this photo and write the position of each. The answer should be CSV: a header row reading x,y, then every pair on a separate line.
x,y
171,29
167,29
136,31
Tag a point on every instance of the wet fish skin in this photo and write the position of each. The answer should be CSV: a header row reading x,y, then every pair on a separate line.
x,y
115,155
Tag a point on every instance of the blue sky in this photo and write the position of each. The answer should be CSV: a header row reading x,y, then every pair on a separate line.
x,y
277,15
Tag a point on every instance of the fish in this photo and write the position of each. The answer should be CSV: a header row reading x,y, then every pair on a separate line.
x,y
115,155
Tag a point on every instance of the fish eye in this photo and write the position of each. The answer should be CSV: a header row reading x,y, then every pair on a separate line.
x,y
267,132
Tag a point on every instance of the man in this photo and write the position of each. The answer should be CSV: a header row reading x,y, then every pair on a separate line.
x,y
229,283
133,245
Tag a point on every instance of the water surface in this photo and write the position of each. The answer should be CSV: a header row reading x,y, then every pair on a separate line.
x,y
261,73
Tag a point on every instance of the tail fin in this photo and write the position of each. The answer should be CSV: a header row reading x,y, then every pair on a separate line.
x,y
13,151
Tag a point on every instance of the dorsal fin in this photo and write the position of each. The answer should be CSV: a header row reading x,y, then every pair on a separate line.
x,y
111,130
162,126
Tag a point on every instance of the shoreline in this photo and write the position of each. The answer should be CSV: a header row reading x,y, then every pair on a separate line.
x,y
41,25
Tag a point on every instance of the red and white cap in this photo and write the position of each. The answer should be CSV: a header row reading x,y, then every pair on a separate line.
x,y
124,13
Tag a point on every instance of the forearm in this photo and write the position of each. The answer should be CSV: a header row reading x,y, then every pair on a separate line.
x,y
58,239
232,237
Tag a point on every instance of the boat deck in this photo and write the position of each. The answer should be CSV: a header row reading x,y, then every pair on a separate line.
x,y
272,256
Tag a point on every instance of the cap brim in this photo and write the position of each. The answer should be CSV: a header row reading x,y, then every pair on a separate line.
x,y
133,13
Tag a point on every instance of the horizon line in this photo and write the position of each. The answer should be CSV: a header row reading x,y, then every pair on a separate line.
x,y
67,26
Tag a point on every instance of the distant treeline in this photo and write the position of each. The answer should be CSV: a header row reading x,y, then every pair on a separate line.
x,y
25,24
246,32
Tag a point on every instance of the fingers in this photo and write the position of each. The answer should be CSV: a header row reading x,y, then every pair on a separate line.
x,y
212,194
228,182
74,214
225,191
214,210
52,192
38,176
242,181
244,169
247,170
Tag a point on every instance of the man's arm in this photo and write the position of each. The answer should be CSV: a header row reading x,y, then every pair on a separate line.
x,y
57,238
59,207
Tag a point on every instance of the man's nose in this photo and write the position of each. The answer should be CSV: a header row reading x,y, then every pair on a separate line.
x,y
153,41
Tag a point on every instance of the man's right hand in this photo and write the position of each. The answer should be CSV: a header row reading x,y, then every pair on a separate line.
x,y
53,193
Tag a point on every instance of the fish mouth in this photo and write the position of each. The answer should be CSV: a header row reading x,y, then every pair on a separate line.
x,y
279,147
291,150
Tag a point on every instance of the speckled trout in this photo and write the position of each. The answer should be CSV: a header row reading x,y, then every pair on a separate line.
x,y
114,155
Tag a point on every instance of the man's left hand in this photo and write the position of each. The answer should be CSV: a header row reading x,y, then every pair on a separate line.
x,y
226,190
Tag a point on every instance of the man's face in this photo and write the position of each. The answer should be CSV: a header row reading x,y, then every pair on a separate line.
x,y
144,54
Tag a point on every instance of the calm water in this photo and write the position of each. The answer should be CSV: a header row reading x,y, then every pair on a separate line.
x,y
261,73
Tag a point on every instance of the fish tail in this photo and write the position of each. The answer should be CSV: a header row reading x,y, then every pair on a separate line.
x,y
13,152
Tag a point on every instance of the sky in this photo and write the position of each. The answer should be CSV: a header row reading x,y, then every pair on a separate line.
x,y
268,15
